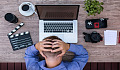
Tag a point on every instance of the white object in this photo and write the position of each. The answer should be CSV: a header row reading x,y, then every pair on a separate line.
x,y
66,37
11,36
90,23
29,12
32,8
18,27
21,24
21,33
10,33
17,35
110,37
26,32
14,30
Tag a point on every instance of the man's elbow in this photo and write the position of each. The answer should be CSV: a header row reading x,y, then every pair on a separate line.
x,y
86,55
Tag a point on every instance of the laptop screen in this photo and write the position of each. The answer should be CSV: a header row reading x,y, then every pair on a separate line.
x,y
59,12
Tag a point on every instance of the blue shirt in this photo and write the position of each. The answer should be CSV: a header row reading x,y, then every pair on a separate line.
x,y
78,63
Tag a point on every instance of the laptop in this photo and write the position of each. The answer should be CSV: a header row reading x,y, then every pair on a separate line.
x,y
58,20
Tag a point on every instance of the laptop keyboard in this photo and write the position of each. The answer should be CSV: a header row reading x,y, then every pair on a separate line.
x,y
59,27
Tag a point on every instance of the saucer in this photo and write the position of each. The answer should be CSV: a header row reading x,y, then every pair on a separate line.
x,y
26,13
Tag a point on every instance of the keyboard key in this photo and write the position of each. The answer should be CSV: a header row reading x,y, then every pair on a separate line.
x,y
58,27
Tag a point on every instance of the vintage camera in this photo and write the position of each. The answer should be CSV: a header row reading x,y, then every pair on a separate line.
x,y
94,37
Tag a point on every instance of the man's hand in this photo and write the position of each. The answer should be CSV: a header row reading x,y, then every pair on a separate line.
x,y
40,47
62,47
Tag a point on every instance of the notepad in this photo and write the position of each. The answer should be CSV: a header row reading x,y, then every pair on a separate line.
x,y
110,37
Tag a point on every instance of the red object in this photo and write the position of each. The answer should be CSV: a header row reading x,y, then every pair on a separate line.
x,y
119,37
96,25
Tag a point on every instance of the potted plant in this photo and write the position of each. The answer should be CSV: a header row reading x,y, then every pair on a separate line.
x,y
93,7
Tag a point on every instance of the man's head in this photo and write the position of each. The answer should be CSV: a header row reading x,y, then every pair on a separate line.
x,y
51,57
49,54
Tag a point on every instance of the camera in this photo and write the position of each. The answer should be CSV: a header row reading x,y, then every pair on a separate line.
x,y
93,37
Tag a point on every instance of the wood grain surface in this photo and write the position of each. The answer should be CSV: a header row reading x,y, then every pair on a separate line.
x,y
97,52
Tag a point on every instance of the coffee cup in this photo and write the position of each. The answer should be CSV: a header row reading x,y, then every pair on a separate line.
x,y
25,7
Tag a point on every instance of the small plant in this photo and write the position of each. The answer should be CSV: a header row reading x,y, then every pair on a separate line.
x,y
92,7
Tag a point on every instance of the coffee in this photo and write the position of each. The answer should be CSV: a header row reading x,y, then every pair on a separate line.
x,y
25,7
11,18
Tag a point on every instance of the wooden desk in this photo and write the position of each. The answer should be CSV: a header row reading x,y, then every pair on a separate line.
x,y
97,52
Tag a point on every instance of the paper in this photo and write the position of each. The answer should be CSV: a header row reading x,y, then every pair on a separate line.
x,y
110,37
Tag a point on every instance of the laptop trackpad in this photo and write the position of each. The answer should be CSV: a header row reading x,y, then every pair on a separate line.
x,y
61,36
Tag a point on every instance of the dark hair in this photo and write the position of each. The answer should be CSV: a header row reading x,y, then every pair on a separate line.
x,y
48,53
52,38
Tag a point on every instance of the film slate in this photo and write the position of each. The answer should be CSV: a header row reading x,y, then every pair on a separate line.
x,y
21,40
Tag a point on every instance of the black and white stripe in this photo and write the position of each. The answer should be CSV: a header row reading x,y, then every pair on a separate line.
x,y
20,34
14,30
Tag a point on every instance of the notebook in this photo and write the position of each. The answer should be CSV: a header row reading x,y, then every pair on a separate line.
x,y
110,37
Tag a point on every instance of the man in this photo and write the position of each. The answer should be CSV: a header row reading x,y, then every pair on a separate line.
x,y
52,49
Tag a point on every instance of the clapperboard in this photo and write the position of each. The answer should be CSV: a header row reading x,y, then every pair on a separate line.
x,y
21,40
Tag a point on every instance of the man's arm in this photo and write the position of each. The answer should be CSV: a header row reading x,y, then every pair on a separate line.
x,y
31,57
81,57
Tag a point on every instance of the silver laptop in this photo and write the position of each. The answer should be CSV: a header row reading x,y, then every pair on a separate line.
x,y
58,20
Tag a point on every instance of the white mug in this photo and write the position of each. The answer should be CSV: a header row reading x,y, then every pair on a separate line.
x,y
26,7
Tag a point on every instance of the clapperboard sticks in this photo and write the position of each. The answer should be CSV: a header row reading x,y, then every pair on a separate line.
x,y
18,27
13,31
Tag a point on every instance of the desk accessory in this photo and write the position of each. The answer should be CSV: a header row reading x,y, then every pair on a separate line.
x,y
30,5
93,7
54,22
110,37
27,9
21,40
96,23
11,18
94,37
119,37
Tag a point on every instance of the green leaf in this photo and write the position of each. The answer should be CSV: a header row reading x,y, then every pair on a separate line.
x,y
88,14
91,6
101,8
101,3
95,11
97,2
99,12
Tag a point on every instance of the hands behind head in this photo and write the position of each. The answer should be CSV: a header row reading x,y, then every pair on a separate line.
x,y
42,45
